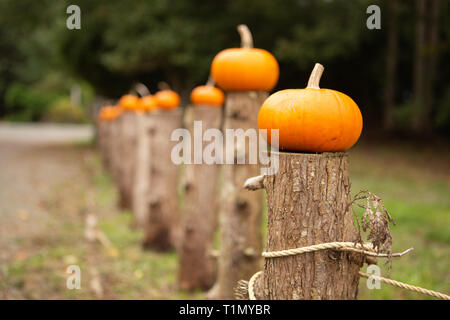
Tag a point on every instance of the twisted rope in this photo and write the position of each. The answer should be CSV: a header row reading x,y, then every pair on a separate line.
x,y
322,246
366,248
251,283
407,286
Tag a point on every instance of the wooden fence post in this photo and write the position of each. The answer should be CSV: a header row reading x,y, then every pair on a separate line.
x,y
199,221
308,203
142,177
116,151
246,74
102,137
241,211
127,158
162,230
308,194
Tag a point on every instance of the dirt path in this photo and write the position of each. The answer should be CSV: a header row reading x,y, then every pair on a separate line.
x,y
34,160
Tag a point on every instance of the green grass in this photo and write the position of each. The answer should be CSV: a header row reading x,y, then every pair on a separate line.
x,y
135,273
417,198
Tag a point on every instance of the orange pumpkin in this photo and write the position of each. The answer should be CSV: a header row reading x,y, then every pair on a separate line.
x,y
148,103
129,102
108,113
167,99
102,114
116,112
207,95
312,119
245,68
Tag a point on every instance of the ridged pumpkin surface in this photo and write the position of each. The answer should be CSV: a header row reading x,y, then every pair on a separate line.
x,y
314,120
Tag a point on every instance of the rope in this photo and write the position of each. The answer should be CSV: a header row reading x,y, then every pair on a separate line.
x,y
366,248
330,245
407,286
251,283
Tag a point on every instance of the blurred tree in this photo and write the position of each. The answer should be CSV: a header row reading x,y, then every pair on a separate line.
x,y
427,43
121,43
391,65
432,55
419,120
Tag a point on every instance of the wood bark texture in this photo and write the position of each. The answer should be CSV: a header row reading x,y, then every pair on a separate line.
x,y
162,227
116,152
107,144
127,158
197,269
241,210
102,140
142,177
308,204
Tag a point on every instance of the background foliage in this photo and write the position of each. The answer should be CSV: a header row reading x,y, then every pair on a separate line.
x,y
121,42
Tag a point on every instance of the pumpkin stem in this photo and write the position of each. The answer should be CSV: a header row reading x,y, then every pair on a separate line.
x,y
246,36
314,78
210,81
162,85
141,89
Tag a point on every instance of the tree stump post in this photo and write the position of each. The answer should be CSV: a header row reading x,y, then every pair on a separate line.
x,y
141,188
241,211
162,230
105,142
308,203
102,139
197,269
116,151
127,158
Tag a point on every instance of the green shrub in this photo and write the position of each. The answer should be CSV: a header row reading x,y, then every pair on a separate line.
x,y
62,110
23,103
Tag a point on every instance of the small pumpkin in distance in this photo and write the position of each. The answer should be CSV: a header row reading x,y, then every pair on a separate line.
x,y
102,114
114,112
167,99
312,119
109,113
148,103
129,102
245,68
208,95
